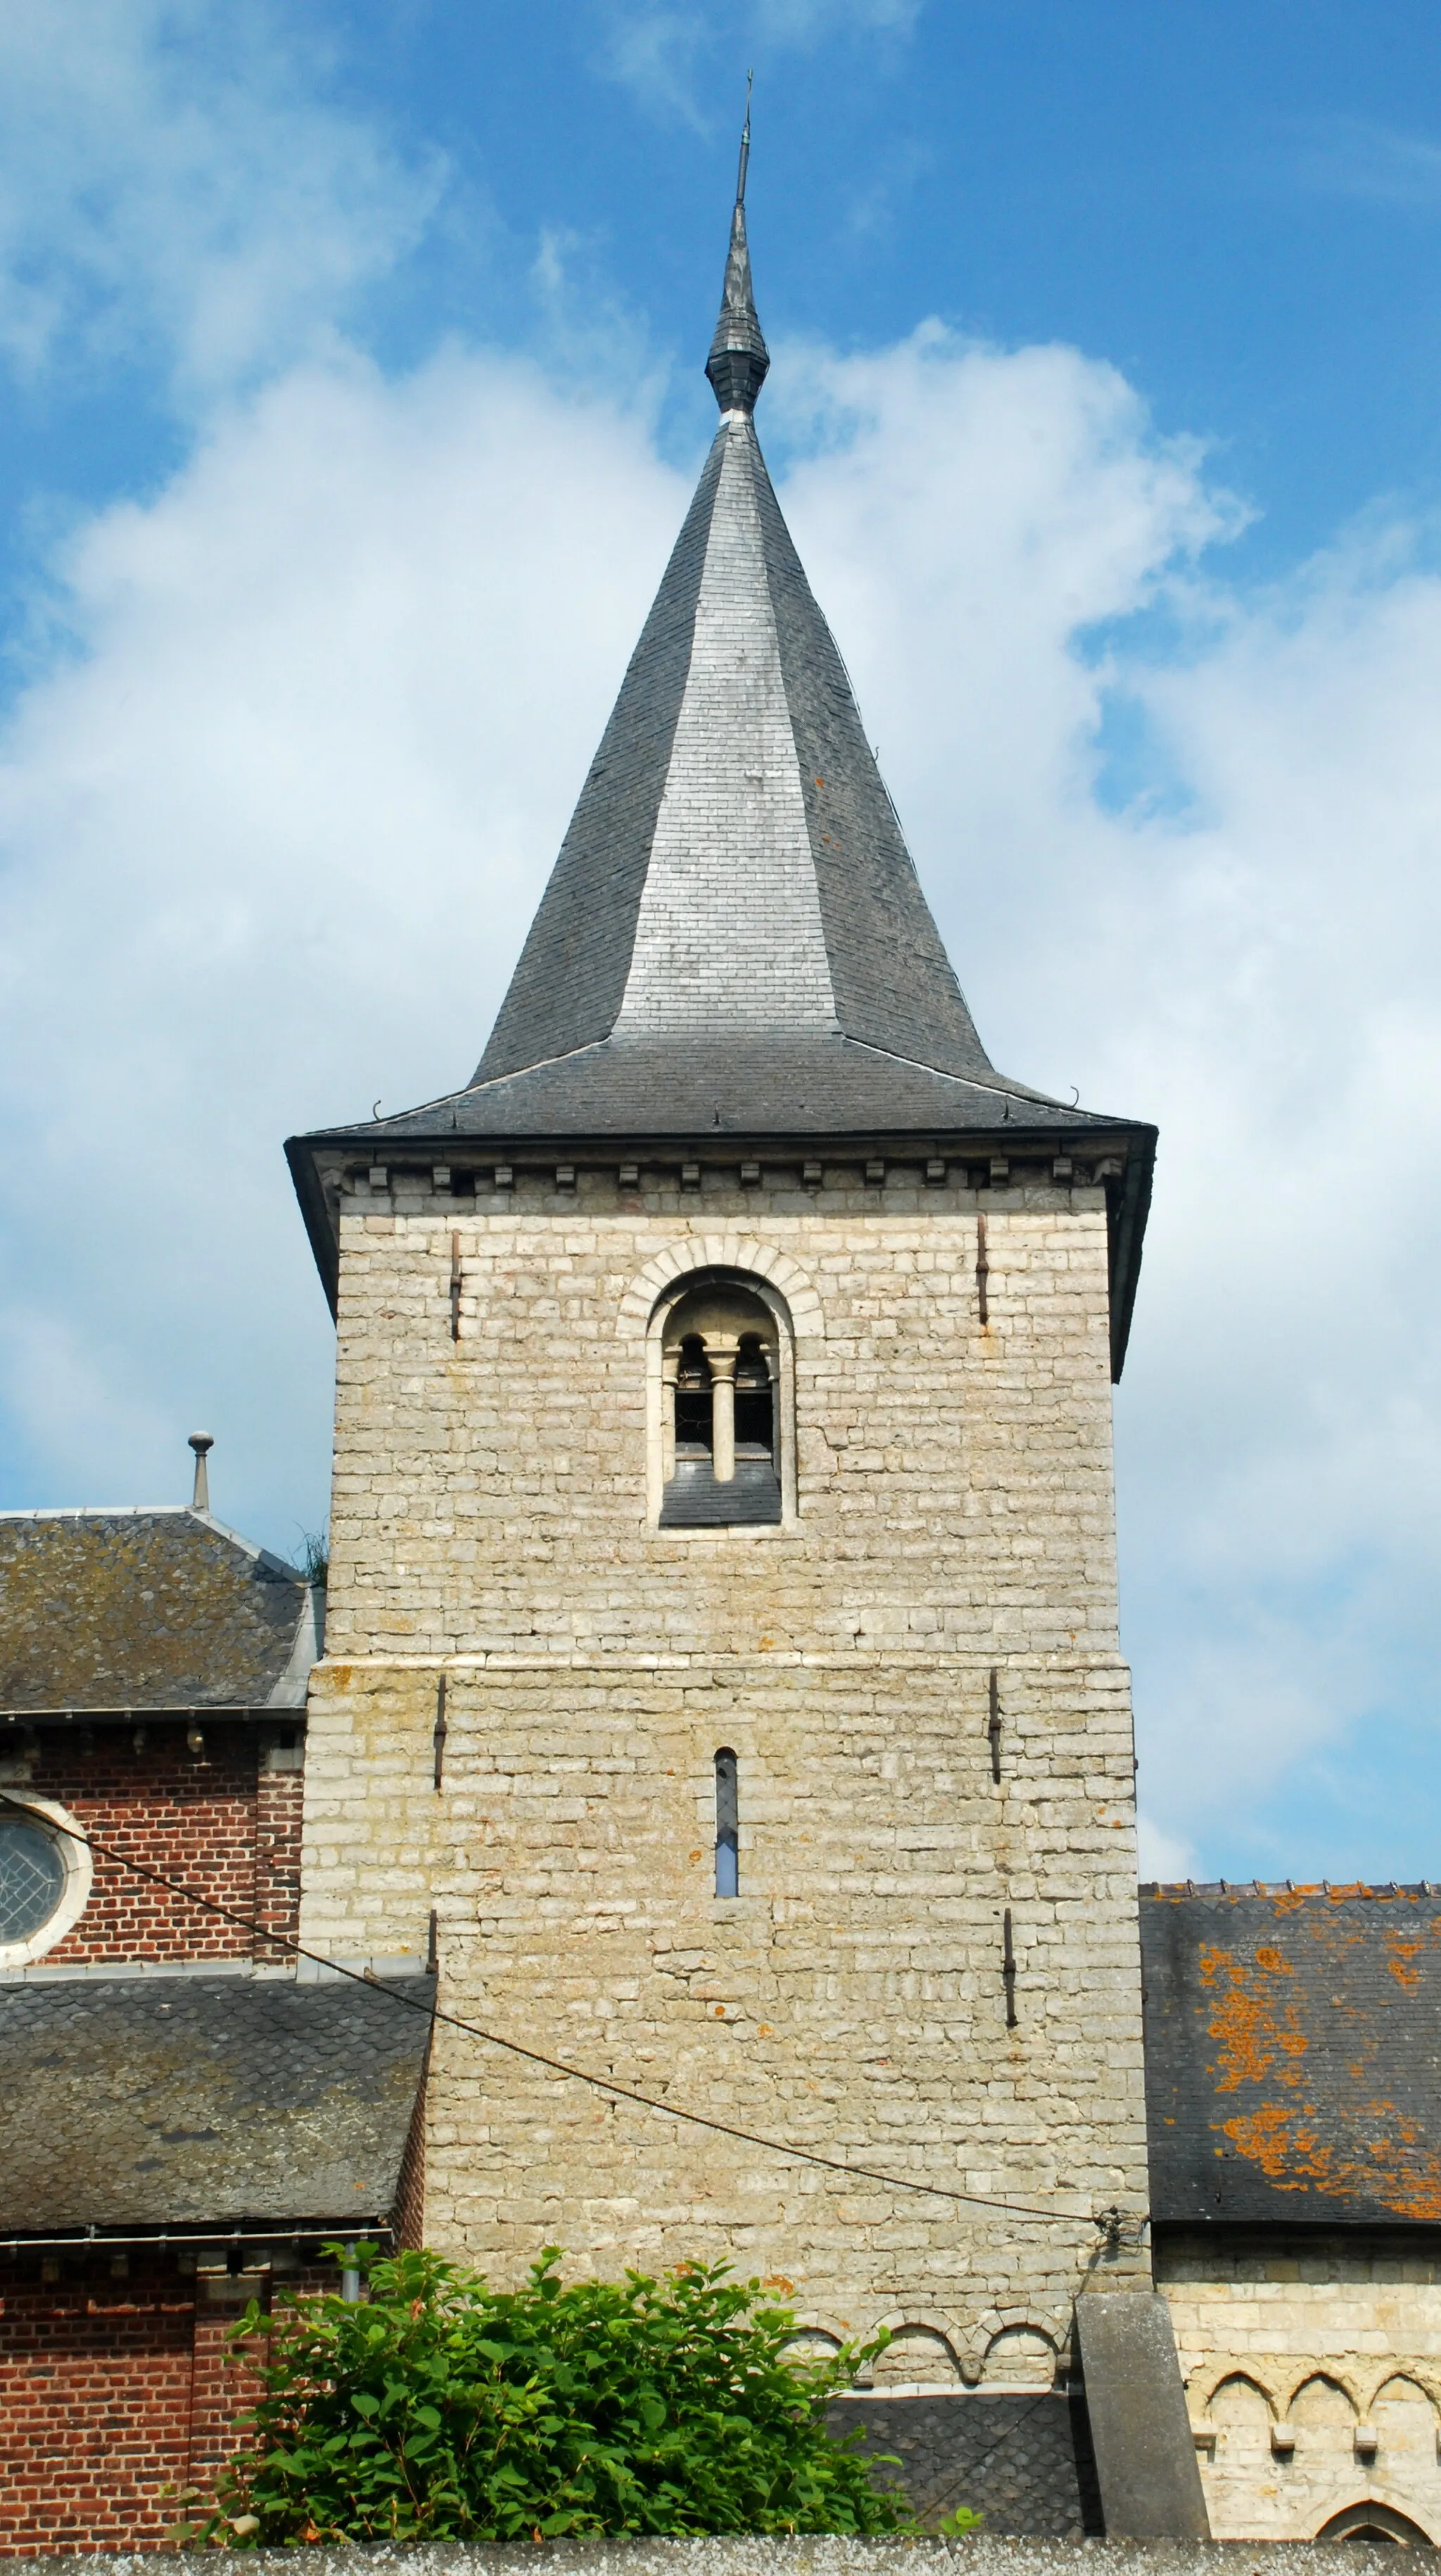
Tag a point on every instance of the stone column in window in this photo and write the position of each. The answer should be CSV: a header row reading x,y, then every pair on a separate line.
x,y
723,1354
669,1372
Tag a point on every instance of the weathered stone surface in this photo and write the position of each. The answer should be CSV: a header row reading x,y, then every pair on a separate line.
x,y
1313,2373
1150,2488
493,1526
810,2557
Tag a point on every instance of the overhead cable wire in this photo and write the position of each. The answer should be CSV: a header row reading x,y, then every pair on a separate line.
x,y
1105,2219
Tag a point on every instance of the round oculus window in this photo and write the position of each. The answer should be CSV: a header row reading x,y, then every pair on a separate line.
x,y
32,1877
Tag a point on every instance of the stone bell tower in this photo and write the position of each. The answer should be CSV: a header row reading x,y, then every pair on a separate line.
x,y
722,1646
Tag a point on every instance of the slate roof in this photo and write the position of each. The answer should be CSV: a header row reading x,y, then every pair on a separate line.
x,y
734,867
734,936
173,2101
153,1609
1021,2459
1293,2054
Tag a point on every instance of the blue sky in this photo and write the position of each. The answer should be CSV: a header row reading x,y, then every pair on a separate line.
x,y
1236,205
349,396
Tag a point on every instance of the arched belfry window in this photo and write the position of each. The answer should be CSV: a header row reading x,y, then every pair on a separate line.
x,y
722,1394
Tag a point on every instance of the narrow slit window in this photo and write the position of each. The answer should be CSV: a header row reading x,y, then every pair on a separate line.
x,y
727,1825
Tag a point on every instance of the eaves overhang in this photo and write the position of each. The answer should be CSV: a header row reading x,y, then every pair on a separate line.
x,y
155,1713
1119,1155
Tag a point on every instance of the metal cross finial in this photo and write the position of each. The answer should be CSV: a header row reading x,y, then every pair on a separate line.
x,y
745,145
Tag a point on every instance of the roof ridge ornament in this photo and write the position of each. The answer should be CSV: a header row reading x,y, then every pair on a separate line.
x,y
739,360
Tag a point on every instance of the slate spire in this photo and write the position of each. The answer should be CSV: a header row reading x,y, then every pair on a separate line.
x,y
733,901
739,360
734,937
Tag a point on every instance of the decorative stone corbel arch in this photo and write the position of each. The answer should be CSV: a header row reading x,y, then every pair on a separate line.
x,y
1054,2326
1400,2520
1021,2356
1322,2378
728,1259
1412,2374
1237,2374
824,2325
932,2338
728,1249
1202,2385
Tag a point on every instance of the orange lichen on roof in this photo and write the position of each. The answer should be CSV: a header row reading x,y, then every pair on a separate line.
x,y
1302,2038
1388,2170
1267,2138
1245,2020
1258,2025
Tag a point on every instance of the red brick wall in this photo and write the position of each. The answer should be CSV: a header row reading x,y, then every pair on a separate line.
x,y
97,2395
212,1819
115,2395
114,2391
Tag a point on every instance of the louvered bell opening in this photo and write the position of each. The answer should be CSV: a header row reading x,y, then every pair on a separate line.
x,y
724,1470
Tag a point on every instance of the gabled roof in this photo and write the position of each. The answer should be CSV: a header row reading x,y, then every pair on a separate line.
x,y
149,1609
167,2101
1293,2053
734,936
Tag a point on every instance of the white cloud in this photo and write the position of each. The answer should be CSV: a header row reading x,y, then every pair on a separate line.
x,y
278,815
175,190
273,829
1257,975
658,48
1161,1855
1356,157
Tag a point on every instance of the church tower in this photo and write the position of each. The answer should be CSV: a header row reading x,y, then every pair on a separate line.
x,y
722,1660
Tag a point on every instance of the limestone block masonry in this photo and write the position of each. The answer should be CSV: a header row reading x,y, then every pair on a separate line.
x,y
493,1531
1313,2378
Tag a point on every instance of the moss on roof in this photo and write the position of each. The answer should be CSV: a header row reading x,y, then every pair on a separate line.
x,y
142,1609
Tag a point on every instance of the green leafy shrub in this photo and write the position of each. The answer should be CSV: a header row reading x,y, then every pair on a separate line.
x,y
444,2410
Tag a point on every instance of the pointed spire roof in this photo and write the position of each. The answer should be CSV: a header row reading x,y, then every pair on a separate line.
x,y
734,936
734,887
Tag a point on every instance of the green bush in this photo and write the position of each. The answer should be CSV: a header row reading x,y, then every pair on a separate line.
x,y
441,2409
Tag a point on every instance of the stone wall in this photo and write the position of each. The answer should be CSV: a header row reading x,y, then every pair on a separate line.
x,y
1313,2375
954,1516
955,1477
982,2555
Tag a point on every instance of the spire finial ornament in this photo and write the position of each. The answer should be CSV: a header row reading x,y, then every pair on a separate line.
x,y
745,162
739,359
